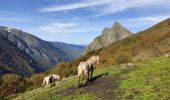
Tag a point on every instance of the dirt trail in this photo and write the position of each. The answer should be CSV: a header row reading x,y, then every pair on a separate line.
x,y
101,85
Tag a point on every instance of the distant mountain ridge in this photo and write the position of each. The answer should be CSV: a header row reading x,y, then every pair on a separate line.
x,y
44,53
109,35
74,50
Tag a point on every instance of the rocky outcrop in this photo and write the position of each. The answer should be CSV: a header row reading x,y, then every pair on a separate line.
x,y
109,35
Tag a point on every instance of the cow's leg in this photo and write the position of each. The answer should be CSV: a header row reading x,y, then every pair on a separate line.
x,y
54,84
46,83
88,77
91,75
51,84
43,83
79,80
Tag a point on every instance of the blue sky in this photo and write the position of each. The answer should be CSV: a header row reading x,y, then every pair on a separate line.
x,y
80,21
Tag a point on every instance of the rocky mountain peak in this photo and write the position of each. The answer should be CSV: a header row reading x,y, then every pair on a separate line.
x,y
109,35
116,24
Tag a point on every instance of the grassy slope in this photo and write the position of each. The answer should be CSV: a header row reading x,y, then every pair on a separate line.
x,y
149,80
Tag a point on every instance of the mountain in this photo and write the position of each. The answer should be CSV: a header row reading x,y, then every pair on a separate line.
x,y
14,60
44,53
109,35
152,42
74,50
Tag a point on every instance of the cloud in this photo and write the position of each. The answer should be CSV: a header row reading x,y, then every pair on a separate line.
x,y
14,19
56,27
12,13
142,23
104,7
74,6
154,19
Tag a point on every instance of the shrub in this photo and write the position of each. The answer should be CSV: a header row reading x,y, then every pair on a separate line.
x,y
35,80
122,58
12,83
104,61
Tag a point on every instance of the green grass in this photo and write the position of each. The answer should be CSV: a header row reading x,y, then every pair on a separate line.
x,y
149,80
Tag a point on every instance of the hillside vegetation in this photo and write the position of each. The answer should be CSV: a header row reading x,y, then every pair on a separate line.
x,y
147,80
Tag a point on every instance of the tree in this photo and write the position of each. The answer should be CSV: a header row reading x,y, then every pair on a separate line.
x,y
122,58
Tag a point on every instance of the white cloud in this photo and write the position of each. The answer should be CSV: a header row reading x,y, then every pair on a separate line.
x,y
14,19
104,7
142,23
64,28
12,13
73,6
148,19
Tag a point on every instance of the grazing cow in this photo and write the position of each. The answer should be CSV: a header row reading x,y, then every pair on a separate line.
x,y
83,71
92,62
86,68
50,79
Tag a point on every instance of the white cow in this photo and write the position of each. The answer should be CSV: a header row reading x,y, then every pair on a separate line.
x,y
83,71
93,62
50,79
84,68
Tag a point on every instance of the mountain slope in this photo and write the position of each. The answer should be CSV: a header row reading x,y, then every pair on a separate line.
x,y
74,50
13,60
115,33
42,51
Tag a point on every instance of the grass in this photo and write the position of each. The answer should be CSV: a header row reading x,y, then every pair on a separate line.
x,y
149,80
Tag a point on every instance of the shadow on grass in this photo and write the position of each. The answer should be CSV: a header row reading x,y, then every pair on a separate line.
x,y
96,77
92,79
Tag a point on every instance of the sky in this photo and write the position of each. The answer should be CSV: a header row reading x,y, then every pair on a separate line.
x,y
80,21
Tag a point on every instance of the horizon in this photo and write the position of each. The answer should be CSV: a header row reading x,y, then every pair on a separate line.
x,y
80,21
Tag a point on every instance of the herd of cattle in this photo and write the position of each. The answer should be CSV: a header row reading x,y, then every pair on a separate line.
x,y
85,72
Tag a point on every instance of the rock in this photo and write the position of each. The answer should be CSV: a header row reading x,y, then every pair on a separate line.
x,y
115,33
